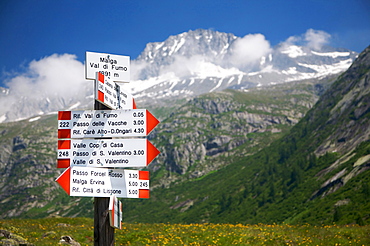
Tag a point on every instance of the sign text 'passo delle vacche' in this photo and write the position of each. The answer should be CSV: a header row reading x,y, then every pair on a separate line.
x,y
100,123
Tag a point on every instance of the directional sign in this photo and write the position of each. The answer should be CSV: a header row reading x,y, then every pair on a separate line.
x,y
116,67
137,152
112,94
104,182
105,123
115,212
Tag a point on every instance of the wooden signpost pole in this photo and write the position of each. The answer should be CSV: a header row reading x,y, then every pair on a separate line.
x,y
103,232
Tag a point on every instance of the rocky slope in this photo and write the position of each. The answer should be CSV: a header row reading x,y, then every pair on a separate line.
x,y
203,135
317,173
213,130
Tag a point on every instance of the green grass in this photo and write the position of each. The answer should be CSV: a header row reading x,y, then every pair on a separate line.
x,y
48,232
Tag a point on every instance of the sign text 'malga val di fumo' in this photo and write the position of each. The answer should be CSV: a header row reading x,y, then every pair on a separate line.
x,y
117,67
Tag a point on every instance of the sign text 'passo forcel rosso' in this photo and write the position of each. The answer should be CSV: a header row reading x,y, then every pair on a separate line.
x,y
100,123
104,182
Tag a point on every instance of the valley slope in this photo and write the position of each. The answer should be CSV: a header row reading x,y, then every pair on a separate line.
x,y
318,173
205,134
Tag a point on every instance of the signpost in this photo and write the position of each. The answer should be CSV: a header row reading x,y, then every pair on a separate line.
x,y
104,182
103,123
112,94
137,152
90,160
115,66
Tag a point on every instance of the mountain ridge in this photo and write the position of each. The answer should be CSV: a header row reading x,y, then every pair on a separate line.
x,y
185,67
179,68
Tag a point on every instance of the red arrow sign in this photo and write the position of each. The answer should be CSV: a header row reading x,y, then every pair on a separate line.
x,y
151,122
137,152
104,182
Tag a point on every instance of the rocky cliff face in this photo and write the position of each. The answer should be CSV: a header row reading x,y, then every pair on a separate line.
x,y
351,100
212,130
27,166
345,110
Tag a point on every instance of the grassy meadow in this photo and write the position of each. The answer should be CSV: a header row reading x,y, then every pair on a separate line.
x,y
48,232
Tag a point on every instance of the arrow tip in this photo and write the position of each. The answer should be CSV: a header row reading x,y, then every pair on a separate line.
x,y
64,180
151,122
151,152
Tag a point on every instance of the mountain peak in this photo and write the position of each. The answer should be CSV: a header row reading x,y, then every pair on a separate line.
x,y
200,42
218,60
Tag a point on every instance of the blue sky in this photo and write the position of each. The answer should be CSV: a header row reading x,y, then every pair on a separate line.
x,y
32,30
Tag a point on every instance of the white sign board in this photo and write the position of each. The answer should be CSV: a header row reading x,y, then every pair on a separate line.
x,y
105,123
112,94
135,152
104,182
115,212
116,67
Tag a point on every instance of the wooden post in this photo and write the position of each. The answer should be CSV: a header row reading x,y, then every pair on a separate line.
x,y
103,232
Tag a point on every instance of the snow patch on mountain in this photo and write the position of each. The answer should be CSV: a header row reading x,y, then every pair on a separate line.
x,y
331,54
3,118
323,70
34,119
293,51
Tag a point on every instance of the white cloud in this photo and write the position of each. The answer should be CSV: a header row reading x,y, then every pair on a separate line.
x,y
248,50
55,74
313,39
185,66
198,66
316,39
136,69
